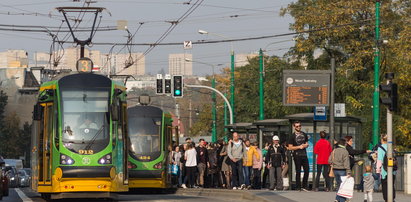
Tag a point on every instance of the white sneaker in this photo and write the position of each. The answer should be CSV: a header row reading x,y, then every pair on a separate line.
x,y
184,186
242,186
234,188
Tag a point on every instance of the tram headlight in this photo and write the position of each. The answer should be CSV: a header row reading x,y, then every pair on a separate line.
x,y
106,159
66,160
131,165
158,165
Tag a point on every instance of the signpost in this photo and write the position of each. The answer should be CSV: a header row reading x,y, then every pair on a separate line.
x,y
306,87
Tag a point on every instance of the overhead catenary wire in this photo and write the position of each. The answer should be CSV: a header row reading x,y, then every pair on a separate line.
x,y
169,30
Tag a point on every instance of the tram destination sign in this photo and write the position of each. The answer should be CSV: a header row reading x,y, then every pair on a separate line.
x,y
306,87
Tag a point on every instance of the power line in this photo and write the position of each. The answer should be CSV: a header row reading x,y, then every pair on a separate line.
x,y
235,40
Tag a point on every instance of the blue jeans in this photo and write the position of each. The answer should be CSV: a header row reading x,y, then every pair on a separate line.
x,y
247,174
238,177
338,174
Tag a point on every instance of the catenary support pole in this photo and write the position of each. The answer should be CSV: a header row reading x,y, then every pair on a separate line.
x,y
261,56
376,95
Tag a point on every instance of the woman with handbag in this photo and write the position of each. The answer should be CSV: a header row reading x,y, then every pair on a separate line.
x,y
340,163
323,150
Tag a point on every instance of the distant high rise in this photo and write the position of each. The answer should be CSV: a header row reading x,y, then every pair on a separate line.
x,y
14,58
177,65
121,61
242,59
72,54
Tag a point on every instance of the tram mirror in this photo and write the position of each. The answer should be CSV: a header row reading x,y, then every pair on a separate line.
x,y
37,112
114,112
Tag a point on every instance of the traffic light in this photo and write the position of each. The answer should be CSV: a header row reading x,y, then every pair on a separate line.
x,y
178,86
159,86
392,100
167,86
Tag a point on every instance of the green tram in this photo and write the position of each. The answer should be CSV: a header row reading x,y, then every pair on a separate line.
x,y
150,133
79,141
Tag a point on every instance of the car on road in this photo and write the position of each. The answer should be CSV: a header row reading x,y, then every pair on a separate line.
x,y
13,176
4,181
24,178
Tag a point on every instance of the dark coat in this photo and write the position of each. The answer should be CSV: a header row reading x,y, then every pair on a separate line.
x,y
276,159
352,152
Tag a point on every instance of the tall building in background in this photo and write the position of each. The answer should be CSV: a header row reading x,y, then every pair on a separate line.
x,y
177,65
41,59
120,61
72,54
242,59
14,58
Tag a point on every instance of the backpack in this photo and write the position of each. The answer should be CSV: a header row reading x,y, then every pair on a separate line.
x,y
385,161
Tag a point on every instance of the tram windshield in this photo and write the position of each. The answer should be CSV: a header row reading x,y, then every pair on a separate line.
x,y
145,139
85,119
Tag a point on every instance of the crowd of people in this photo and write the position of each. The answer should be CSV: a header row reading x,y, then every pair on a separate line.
x,y
241,164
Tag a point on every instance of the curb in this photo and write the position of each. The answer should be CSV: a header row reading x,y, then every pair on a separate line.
x,y
235,194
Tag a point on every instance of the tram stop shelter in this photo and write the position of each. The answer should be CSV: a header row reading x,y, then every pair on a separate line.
x,y
244,130
343,126
270,127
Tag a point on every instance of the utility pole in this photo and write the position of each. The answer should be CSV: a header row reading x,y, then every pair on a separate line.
x,y
376,95
332,99
261,84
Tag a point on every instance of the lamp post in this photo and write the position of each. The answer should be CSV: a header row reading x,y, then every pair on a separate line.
x,y
213,97
232,89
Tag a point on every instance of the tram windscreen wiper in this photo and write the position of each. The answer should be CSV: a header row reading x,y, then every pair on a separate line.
x,y
94,138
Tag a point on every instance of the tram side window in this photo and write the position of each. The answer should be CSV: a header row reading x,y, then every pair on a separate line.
x,y
56,133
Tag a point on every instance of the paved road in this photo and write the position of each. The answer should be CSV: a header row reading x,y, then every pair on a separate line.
x,y
211,195
29,196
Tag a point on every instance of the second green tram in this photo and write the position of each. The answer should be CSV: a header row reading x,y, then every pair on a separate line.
x,y
150,133
79,141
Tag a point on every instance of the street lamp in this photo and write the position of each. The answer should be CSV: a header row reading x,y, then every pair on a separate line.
x,y
200,31
213,97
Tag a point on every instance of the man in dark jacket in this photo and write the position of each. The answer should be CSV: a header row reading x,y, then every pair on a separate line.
x,y
352,152
275,160
202,159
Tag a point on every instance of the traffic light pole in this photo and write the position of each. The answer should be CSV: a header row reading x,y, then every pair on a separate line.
x,y
390,182
376,97
225,119
219,93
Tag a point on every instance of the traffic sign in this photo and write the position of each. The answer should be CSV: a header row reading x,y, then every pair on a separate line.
x,y
320,114
188,45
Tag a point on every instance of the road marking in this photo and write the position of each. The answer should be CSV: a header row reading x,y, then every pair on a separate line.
x,y
22,195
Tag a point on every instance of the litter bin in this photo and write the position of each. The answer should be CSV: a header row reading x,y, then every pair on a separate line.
x,y
358,170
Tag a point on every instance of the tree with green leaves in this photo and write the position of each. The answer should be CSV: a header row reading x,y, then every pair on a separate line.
x,y
345,30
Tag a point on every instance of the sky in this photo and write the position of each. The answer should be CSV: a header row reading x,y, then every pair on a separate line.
x,y
223,19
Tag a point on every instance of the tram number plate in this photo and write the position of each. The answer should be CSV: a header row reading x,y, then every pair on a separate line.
x,y
81,151
144,157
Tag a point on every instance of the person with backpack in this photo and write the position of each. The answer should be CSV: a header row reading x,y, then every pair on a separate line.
x,y
236,153
382,164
